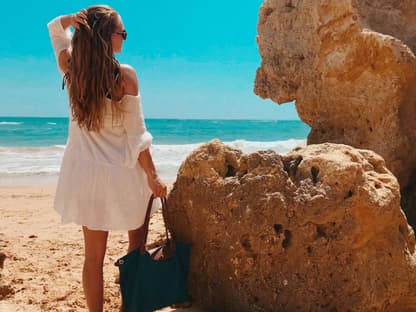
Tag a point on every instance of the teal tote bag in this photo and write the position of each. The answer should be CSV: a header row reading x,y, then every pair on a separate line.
x,y
153,279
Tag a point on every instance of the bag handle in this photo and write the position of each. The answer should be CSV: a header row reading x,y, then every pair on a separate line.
x,y
169,236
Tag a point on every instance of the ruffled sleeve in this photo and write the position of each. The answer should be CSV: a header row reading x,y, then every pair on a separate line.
x,y
60,37
138,138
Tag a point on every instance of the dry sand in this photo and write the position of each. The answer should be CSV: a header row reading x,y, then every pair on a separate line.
x,y
42,267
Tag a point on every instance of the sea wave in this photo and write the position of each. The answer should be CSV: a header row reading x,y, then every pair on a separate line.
x,y
46,160
7,123
31,149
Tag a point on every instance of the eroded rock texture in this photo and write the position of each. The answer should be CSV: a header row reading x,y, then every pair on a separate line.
x,y
351,68
319,229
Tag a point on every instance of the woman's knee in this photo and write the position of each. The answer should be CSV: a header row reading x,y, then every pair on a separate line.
x,y
93,264
95,246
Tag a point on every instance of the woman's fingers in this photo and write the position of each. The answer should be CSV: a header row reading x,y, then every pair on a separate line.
x,y
161,190
83,13
164,191
80,18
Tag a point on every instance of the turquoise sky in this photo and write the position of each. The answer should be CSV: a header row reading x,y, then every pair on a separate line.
x,y
194,59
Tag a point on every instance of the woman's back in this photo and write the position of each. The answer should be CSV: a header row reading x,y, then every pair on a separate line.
x,y
118,142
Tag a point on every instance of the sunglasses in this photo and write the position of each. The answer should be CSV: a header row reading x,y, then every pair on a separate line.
x,y
122,34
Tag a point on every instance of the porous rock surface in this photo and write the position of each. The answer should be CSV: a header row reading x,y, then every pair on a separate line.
x,y
351,68
319,229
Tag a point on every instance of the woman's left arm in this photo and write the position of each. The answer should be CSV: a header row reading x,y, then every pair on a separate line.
x,y
158,188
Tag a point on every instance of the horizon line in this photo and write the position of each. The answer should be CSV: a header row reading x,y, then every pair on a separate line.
x,y
169,118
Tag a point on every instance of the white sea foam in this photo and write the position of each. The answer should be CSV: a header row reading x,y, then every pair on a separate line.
x,y
7,123
29,161
280,147
41,162
51,123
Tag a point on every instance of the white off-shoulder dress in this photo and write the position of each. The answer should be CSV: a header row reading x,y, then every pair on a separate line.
x,y
101,183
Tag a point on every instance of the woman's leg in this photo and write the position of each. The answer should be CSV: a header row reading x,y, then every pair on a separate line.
x,y
92,274
135,238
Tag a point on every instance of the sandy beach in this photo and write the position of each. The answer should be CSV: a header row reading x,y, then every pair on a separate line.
x,y
41,259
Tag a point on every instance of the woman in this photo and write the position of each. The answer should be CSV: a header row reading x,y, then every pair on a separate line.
x,y
107,173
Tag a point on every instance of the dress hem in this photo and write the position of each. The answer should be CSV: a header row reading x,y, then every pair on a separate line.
x,y
75,222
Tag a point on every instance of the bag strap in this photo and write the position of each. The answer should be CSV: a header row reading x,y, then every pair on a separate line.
x,y
165,213
169,236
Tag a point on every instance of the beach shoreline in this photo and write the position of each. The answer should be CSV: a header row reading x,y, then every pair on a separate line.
x,y
43,258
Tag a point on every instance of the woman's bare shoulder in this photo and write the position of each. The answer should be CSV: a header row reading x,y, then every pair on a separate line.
x,y
130,81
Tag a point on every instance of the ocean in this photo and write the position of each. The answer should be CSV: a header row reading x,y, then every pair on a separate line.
x,y
31,149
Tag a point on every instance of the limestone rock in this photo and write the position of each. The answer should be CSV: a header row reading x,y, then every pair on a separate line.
x,y
319,229
351,68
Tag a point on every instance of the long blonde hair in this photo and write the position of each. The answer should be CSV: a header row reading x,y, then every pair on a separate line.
x,y
94,73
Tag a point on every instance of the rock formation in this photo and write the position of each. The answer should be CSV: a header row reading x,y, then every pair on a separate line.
x,y
319,229
351,68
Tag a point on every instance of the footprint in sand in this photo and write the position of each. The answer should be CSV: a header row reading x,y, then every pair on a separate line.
x,y
6,291
2,258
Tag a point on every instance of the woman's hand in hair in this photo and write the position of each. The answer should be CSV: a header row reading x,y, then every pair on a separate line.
x,y
79,18
75,20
